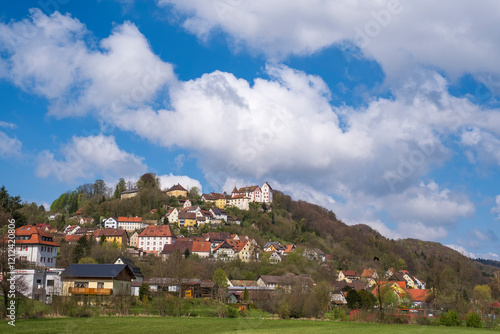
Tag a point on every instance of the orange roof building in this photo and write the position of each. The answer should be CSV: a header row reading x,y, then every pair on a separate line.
x,y
35,246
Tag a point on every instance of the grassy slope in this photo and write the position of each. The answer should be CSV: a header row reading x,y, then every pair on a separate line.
x,y
150,325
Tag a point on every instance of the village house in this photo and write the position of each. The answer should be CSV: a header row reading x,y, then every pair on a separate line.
x,y
338,298
110,223
131,224
287,282
97,280
154,237
139,277
252,193
39,284
177,191
134,239
219,199
239,201
267,193
129,193
73,238
224,251
314,254
369,277
219,215
173,216
112,235
187,219
35,246
86,221
70,229
274,258
348,275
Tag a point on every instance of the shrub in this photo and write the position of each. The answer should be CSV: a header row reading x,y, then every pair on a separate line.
x,y
284,311
450,319
473,320
231,312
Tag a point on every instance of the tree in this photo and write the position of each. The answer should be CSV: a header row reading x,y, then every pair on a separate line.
x,y
246,296
10,208
82,248
100,188
353,299
220,279
121,186
148,180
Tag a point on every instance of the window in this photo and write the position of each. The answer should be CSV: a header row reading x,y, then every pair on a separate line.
x,y
38,281
100,285
81,284
50,282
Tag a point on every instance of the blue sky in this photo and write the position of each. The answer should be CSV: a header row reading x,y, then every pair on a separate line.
x,y
385,112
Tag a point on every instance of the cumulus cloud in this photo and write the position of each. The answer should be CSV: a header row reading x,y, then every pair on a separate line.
x,y
86,157
458,35
169,180
54,56
9,146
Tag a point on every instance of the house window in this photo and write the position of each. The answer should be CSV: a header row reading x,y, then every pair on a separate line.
x,y
100,285
50,282
38,281
81,284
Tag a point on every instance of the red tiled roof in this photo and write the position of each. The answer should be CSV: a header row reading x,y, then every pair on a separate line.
x,y
156,231
417,295
238,196
74,237
36,236
349,273
201,246
496,304
368,273
288,248
130,219
236,245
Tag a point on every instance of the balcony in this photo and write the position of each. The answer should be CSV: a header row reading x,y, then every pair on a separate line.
x,y
91,291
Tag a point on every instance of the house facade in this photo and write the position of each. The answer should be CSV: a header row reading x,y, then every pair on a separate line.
x,y
97,280
134,239
35,246
39,284
239,201
111,223
112,235
130,223
129,194
187,219
348,275
173,216
154,237
177,191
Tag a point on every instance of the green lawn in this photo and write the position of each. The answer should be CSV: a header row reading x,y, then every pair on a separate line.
x,y
149,325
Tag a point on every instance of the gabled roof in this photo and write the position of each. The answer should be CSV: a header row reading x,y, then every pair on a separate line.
x,y
180,245
351,273
417,295
35,236
96,270
75,237
135,269
368,273
270,279
177,187
496,304
156,231
201,246
217,236
247,189
130,219
289,248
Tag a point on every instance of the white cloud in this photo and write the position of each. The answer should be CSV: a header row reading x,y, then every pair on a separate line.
x,y
86,157
49,56
7,125
9,146
457,35
167,181
496,208
462,251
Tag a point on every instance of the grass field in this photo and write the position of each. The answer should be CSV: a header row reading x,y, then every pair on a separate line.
x,y
124,325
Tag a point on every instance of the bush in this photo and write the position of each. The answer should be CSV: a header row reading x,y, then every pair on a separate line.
x,y
231,312
339,314
284,311
450,319
473,320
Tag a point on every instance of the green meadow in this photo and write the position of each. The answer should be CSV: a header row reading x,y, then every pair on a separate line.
x,y
150,325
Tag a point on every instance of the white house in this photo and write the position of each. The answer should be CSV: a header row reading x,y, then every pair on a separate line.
x,y
39,284
240,201
173,216
253,193
111,223
154,237
267,193
131,223
35,246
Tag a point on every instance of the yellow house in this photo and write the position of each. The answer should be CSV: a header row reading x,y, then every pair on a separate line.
x,y
177,191
221,203
97,280
187,219
111,234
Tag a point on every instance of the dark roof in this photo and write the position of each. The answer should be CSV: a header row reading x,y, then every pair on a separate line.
x,y
177,187
131,264
96,270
